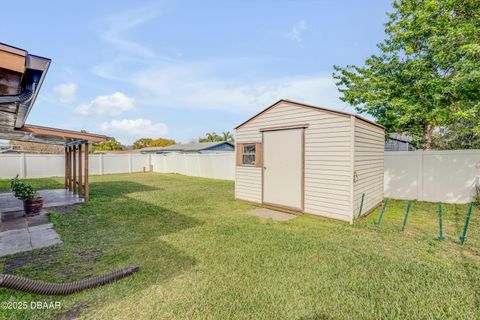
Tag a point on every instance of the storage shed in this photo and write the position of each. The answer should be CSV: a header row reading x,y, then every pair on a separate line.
x,y
310,160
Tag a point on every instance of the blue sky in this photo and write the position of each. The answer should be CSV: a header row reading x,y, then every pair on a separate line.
x,y
178,69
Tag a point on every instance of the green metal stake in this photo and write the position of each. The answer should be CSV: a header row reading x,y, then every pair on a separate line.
x,y
440,221
361,205
406,215
383,211
463,237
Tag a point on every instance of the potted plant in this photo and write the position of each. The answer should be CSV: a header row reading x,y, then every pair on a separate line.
x,y
15,185
32,202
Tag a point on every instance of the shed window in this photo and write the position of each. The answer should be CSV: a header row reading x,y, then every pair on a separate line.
x,y
248,154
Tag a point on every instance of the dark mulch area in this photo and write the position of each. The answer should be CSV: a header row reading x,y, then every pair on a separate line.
x,y
51,258
73,313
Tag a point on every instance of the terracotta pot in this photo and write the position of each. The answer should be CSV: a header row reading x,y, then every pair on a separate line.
x,y
33,206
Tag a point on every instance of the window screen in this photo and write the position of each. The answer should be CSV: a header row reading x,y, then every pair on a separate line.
x,y
248,154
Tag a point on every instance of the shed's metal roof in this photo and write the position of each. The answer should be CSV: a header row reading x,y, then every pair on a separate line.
x,y
187,147
300,104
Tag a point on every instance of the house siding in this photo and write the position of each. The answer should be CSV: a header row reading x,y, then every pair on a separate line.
x,y
369,163
220,147
327,162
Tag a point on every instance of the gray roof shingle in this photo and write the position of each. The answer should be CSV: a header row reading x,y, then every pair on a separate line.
x,y
186,147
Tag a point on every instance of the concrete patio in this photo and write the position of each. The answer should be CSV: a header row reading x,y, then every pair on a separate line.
x,y
20,233
271,214
51,198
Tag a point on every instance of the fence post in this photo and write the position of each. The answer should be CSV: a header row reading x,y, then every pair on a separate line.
x,y
420,175
463,237
23,166
200,173
383,211
101,163
361,205
440,221
406,215
129,163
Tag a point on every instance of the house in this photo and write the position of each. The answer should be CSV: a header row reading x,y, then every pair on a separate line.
x,y
310,160
127,151
11,149
6,148
399,142
196,147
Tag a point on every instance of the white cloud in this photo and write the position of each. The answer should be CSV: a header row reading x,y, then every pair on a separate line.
x,y
219,84
109,105
191,86
129,130
65,92
117,26
296,31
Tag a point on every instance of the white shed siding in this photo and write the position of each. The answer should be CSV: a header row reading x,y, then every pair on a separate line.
x,y
248,184
327,158
369,149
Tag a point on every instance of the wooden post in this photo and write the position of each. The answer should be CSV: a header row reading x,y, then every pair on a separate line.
x,y
86,172
74,169
80,193
66,167
70,168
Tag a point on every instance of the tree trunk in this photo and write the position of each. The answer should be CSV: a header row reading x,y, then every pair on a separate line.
x,y
427,136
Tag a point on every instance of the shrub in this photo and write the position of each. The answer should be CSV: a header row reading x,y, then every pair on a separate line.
x,y
26,192
16,185
22,190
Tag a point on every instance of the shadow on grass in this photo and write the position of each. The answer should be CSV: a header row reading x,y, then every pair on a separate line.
x,y
115,189
110,232
318,316
42,183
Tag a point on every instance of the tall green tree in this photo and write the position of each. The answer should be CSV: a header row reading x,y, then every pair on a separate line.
x,y
142,143
110,145
427,73
161,142
461,135
149,142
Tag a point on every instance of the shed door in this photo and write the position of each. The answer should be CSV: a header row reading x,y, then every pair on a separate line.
x,y
283,168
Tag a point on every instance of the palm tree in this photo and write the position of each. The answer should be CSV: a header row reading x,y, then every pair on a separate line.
x,y
227,136
214,137
211,136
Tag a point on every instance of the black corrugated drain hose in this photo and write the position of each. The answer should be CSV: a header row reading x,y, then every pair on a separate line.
x,y
32,286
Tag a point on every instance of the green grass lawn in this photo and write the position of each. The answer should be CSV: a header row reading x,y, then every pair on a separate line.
x,y
202,257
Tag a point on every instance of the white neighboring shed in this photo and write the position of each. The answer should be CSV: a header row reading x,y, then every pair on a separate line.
x,y
310,160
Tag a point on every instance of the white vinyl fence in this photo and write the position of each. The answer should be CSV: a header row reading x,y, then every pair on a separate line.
x,y
446,176
208,165
119,163
51,165
211,165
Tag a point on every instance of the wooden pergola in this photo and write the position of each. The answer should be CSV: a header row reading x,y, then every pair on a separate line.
x,y
76,168
77,148
21,76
